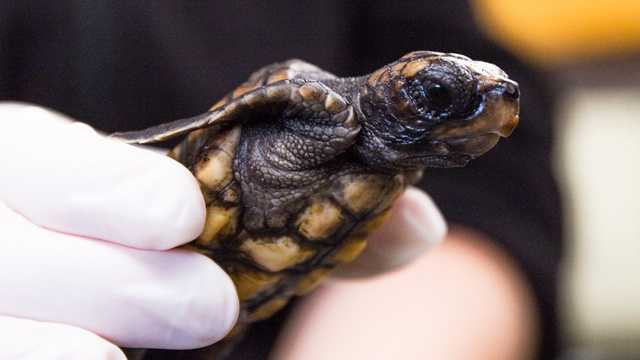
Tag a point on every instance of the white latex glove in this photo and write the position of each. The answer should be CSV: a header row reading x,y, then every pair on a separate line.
x,y
86,224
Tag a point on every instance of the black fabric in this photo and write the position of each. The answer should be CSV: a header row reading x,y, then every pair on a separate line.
x,y
128,65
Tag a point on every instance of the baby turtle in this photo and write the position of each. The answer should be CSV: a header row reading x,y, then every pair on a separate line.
x,y
297,166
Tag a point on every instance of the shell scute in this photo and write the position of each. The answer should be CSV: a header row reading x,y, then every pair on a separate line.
x,y
311,281
320,219
220,223
215,170
251,282
275,253
360,193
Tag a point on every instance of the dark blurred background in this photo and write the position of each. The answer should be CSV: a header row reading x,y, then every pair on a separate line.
x,y
128,65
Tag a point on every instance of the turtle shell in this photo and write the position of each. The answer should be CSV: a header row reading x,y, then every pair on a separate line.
x,y
285,247
329,229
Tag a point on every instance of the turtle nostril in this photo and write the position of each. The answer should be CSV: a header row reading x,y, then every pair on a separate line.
x,y
511,90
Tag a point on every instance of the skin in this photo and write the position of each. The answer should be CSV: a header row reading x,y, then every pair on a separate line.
x,y
473,304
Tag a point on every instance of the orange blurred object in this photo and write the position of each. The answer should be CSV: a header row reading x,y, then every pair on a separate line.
x,y
561,31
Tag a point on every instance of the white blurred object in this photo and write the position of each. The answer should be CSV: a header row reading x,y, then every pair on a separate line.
x,y
599,164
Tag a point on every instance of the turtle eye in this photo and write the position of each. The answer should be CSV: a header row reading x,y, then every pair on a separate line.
x,y
433,98
439,97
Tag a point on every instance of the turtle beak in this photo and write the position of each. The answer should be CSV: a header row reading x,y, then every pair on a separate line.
x,y
506,98
496,117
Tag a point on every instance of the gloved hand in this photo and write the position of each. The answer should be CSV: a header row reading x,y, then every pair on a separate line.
x,y
87,225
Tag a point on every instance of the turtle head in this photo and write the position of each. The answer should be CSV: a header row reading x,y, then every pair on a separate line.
x,y
432,109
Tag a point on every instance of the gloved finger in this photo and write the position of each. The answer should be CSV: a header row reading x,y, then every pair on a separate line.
x,y
175,299
34,340
68,178
414,226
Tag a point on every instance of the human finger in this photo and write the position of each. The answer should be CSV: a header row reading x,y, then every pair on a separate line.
x,y
34,340
174,299
68,178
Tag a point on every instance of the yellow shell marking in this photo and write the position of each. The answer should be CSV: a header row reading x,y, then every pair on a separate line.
x,y
249,283
267,309
319,220
216,170
311,281
275,254
350,250
219,223
369,226
362,193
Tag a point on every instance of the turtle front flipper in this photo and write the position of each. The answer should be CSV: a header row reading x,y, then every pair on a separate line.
x,y
228,114
290,154
250,91
167,131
